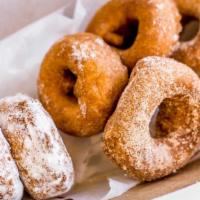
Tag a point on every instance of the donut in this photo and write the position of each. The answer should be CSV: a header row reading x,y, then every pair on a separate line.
x,y
44,164
155,128
188,52
138,28
79,83
11,187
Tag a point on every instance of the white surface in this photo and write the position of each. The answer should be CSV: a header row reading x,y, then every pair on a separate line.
x,y
15,14
189,193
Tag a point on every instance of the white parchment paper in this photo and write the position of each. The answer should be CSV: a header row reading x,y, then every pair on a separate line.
x,y
20,57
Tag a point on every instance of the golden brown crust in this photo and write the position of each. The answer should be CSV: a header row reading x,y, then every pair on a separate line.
x,y
79,82
158,27
188,52
127,138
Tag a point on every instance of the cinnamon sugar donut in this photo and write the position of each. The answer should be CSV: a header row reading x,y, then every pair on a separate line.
x,y
188,52
162,96
79,82
138,28
41,157
11,187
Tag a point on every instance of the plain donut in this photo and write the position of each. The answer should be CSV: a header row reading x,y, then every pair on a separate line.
x,y
158,27
80,80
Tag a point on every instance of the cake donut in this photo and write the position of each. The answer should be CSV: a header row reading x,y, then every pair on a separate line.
x,y
138,28
79,83
188,52
11,187
44,164
154,130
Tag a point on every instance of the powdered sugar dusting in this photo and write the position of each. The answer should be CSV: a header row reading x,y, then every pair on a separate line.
x,y
83,108
175,37
62,50
188,44
44,164
160,6
99,41
11,187
82,52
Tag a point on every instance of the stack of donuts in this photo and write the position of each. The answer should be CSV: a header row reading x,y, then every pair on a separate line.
x,y
130,76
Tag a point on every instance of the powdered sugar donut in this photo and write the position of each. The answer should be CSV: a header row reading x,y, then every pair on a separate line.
x,y
188,52
79,83
44,164
10,185
154,130
138,28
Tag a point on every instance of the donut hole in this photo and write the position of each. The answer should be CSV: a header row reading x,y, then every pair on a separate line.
x,y
125,35
172,114
190,28
68,84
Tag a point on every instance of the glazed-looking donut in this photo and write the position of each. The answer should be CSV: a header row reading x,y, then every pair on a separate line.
x,y
128,138
188,52
138,28
79,82
11,187
41,157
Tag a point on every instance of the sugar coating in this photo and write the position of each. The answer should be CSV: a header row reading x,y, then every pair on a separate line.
x,y
82,52
158,20
188,52
83,108
85,50
44,164
100,41
127,139
10,185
